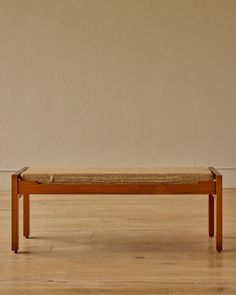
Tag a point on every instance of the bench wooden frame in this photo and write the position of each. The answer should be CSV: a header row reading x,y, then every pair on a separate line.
x,y
25,188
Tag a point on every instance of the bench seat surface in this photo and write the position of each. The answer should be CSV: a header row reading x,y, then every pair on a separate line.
x,y
183,175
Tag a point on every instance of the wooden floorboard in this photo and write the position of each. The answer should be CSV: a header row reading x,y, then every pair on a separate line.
x,y
111,245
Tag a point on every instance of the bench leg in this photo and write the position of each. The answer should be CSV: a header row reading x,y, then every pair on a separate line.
x,y
211,215
15,214
219,242
26,213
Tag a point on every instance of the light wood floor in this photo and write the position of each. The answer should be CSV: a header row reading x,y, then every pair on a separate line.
x,y
119,245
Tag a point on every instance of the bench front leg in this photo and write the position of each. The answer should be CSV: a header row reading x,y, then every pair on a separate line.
x,y
219,222
15,214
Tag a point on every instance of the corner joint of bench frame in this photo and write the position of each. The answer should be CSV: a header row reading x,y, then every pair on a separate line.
x,y
216,173
18,173
15,178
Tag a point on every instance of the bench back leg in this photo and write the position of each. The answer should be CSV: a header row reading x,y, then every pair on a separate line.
x,y
211,215
26,214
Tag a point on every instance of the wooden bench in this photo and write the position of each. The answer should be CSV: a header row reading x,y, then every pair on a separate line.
x,y
190,181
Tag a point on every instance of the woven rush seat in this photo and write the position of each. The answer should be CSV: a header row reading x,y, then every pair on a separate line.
x,y
183,175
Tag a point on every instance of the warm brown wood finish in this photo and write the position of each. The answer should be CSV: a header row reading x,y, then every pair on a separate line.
x,y
31,187
26,215
214,171
26,188
211,215
219,229
15,209
15,213
219,209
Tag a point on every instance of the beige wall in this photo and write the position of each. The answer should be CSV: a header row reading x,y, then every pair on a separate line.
x,y
117,83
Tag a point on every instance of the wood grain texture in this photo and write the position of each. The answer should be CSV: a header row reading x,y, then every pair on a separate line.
x,y
211,223
112,245
32,187
219,213
15,213
26,215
